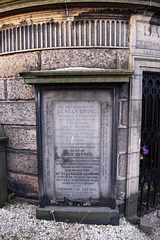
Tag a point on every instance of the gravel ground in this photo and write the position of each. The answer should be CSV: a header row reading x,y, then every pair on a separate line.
x,y
19,221
154,219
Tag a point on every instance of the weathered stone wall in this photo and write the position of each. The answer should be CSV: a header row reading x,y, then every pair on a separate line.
x,y
17,114
122,143
17,104
144,57
17,100
91,58
17,109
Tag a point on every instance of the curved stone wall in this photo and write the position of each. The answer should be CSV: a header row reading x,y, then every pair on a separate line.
x,y
45,41
62,37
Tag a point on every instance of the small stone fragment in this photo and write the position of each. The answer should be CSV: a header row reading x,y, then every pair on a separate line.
x,y
155,238
158,214
145,225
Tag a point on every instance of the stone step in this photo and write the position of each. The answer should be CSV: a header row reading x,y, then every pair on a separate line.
x,y
88,215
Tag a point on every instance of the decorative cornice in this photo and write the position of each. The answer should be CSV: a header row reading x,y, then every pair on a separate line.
x,y
77,75
7,7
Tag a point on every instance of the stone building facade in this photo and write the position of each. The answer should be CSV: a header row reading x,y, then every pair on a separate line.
x,y
49,35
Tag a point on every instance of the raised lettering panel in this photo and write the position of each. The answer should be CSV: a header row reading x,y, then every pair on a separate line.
x,y
77,149
147,35
77,144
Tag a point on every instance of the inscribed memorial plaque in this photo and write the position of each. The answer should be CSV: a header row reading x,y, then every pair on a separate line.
x,y
77,149
77,141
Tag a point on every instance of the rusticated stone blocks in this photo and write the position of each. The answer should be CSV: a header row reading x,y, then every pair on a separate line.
x,y
11,65
23,185
22,161
2,87
17,113
90,58
21,137
17,89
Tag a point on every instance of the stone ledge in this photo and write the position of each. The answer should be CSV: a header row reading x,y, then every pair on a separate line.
x,y
76,75
91,215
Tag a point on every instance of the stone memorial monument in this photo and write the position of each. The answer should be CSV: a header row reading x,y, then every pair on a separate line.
x,y
77,143
77,147
71,78
77,139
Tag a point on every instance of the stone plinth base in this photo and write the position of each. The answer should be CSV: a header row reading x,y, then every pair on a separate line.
x,y
89,215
